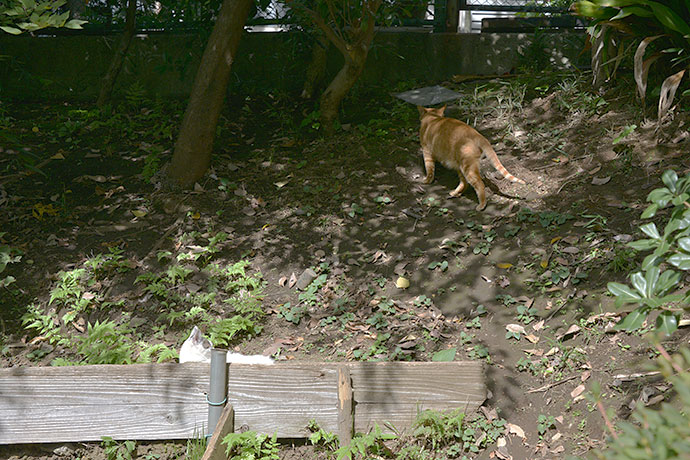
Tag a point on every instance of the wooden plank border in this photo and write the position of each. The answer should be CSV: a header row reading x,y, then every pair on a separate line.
x,y
168,401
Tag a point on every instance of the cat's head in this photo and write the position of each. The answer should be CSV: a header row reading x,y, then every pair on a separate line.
x,y
436,112
196,348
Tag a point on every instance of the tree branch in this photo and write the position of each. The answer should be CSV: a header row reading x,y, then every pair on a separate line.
x,y
328,31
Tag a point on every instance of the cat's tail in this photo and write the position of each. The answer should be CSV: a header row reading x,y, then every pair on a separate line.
x,y
490,153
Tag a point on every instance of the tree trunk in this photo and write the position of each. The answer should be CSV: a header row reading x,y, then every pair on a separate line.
x,y
76,8
192,155
108,82
317,66
342,83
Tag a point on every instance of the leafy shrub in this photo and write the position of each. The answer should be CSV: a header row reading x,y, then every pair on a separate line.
x,y
655,286
665,23
18,16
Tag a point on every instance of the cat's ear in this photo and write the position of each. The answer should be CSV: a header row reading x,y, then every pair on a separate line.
x,y
442,110
196,336
421,110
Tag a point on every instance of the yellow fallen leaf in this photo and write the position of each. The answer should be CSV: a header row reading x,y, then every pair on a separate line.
x,y
139,212
58,156
35,129
196,215
504,265
554,239
544,263
402,283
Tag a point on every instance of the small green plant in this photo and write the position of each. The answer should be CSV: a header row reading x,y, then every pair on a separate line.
x,y
321,438
104,343
45,325
251,445
118,451
366,445
545,423
195,448
628,130
376,350
443,266
479,352
422,301
655,286
292,314
8,255
526,314
483,247
152,164
623,260
439,428
506,299
355,210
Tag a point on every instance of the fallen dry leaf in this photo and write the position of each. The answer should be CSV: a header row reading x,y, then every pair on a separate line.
x,y
572,330
515,328
601,180
532,338
577,391
516,430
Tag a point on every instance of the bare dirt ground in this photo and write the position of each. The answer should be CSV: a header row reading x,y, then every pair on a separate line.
x,y
521,285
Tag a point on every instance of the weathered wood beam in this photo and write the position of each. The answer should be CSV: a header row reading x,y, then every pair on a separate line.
x,y
168,401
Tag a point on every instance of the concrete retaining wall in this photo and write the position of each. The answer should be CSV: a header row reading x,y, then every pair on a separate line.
x,y
163,65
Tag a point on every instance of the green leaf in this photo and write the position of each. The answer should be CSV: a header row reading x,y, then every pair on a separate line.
x,y
623,292
670,179
11,30
668,18
651,277
680,260
660,196
650,211
684,244
651,231
444,355
667,322
633,320
680,199
667,280
638,281
75,24
625,133
643,245
635,10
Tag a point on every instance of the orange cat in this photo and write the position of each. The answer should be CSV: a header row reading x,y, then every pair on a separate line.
x,y
457,146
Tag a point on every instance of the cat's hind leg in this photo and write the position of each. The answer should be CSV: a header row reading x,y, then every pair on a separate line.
x,y
475,181
461,186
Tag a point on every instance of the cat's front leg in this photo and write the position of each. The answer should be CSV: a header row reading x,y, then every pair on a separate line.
x,y
429,165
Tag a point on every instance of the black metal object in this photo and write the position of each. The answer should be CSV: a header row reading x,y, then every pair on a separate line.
x,y
508,5
490,25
